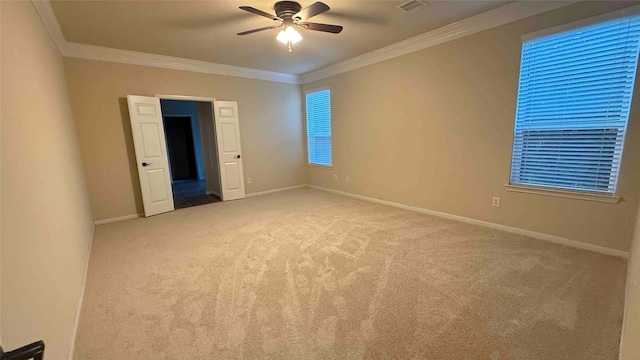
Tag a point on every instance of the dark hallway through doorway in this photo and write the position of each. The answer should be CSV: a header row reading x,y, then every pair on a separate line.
x,y
180,144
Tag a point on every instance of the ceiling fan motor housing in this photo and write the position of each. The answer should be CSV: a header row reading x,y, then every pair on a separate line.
x,y
286,9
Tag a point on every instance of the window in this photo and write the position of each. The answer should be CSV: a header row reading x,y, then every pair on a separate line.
x,y
573,106
319,127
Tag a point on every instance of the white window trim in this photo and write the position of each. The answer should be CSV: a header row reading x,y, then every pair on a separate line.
x,y
322,88
578,194
306,134
319,166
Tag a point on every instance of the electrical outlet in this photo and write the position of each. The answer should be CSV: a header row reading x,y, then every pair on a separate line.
x,y
248,180
495,202
346,179
335,177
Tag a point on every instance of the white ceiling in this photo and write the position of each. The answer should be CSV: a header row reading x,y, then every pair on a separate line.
x,y
206,30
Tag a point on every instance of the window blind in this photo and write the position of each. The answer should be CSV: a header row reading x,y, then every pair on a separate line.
x,y
319,127
573,106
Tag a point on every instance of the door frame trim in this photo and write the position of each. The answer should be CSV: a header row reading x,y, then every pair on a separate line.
x,y
213,114
184,97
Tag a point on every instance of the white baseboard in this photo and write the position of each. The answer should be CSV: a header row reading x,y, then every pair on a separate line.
x,y
275,190
533,234
212,192
119,218
80,301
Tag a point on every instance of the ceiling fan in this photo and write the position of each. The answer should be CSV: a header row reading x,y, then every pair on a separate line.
x,y
291,15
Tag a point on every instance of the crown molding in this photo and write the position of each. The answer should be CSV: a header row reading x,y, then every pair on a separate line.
x,y
93,52
45,10
101,53
487,20
490,19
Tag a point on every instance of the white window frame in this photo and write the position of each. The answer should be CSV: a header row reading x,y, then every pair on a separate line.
x,y
577,194
306,124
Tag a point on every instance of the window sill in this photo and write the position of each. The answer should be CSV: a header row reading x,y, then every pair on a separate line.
x,y
320,166
611,199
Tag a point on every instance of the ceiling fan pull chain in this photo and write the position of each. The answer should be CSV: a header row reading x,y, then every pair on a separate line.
x,y
289,44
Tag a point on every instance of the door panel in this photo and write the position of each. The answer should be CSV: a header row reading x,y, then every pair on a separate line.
x,y
146,109
227,111
229,137
157,185
150,147
233,176
151,140
229,150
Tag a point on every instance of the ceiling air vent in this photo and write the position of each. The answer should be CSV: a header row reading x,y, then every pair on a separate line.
x,y
412,6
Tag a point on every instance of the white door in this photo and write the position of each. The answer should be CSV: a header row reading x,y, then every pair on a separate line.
x,y
151,154
229,151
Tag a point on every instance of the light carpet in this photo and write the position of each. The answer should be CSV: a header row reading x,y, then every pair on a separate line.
x,y
305,274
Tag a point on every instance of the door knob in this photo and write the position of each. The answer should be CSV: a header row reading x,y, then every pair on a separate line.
x,y
146,164
237,156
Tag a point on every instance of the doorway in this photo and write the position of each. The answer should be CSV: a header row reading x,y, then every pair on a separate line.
x,y
220,147
190,150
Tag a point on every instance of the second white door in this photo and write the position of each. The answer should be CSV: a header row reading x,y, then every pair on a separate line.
x,y
229,150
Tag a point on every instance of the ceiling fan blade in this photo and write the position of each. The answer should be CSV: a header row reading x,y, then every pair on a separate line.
x,y
334,29
256,30
258,12
312,10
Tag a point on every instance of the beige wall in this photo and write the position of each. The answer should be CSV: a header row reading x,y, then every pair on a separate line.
x,y
630,344
46,219
434,129
270,127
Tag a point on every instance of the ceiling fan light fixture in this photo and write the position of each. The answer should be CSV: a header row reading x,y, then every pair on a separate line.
x,y
290,14
289,36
